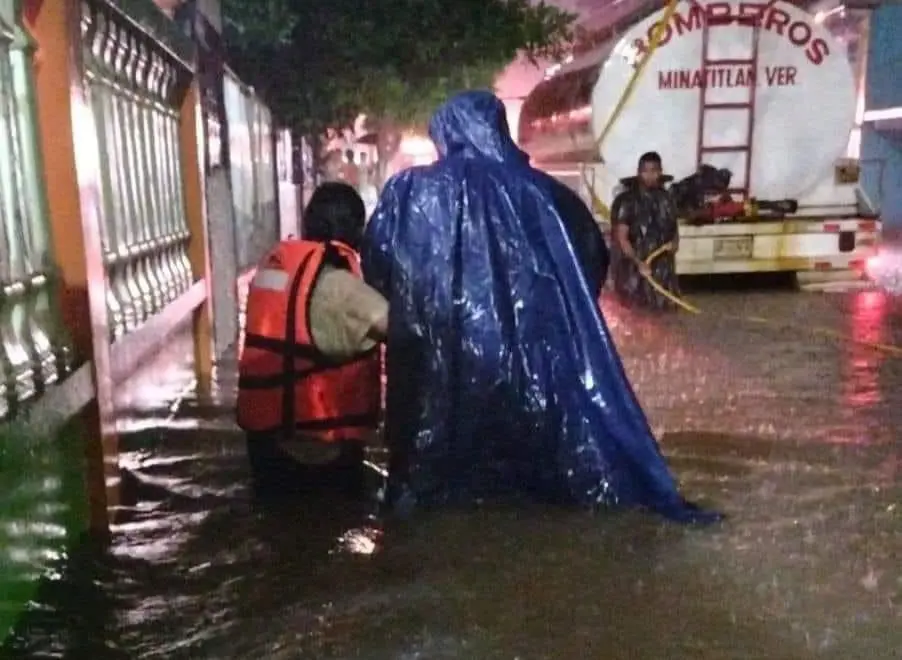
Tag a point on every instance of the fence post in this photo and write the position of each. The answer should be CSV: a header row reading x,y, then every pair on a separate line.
x,y
192,141
289,216
72,173
220,211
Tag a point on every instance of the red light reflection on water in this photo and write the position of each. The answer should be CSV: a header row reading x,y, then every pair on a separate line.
x,y
867,325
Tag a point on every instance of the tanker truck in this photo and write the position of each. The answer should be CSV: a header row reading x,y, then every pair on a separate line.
x,y
762,91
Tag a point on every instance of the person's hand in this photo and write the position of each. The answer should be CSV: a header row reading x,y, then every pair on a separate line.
x,y
644,268
379,329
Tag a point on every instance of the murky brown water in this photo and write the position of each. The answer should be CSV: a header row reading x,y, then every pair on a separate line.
x,y
794,435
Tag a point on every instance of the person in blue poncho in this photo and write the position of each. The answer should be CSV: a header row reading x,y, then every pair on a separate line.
x,y
502,375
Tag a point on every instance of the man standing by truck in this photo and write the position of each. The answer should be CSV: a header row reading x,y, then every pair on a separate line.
x,y
644,218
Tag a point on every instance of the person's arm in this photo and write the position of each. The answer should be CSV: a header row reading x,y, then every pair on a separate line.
x,y
621,217
378,332
675,218
379,235
347,316
585,236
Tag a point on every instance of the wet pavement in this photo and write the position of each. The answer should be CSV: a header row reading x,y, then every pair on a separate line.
x,y
795,435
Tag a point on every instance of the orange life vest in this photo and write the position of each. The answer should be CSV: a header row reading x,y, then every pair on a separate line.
x,y
285,384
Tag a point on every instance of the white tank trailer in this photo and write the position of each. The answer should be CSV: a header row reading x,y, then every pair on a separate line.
x,y
762,89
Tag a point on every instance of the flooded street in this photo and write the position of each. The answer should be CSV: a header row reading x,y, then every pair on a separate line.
x,y
794,434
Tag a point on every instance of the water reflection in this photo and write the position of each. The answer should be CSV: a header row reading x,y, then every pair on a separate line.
x,y
794,436
360,540
41,494
867,325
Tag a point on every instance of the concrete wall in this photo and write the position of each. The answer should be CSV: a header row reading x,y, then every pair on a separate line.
x,y
881,144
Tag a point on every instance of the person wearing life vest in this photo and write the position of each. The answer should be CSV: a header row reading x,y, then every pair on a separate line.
x,y
309,389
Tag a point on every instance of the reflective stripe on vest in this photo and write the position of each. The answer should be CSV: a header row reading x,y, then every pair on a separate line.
x,y
271,279
285,384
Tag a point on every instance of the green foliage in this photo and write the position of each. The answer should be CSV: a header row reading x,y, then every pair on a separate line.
x,y
319,63
42,490
262,22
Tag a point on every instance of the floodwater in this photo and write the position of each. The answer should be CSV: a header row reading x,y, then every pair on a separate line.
x,y
795,435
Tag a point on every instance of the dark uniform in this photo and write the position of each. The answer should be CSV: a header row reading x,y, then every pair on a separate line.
x,y
651,216
585,236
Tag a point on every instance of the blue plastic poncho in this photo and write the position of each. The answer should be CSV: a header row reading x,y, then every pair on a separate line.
x,y
502,374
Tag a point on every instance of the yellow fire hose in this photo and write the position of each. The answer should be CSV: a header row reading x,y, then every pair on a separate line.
x,y
889,349
679,302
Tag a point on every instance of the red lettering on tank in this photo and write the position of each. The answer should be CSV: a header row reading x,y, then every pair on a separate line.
x,y
751,13
776,21
745,77
719,13
780,76
666,33
791,72
799,33
693,22
817,51
727,77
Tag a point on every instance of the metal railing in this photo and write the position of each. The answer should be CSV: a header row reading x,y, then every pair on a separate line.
x,y
135,88
35,350
135,85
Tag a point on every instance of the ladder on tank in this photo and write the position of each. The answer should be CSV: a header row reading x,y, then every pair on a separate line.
x,y
748,106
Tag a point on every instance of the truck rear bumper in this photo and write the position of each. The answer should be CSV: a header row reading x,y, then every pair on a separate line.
x,y
790,246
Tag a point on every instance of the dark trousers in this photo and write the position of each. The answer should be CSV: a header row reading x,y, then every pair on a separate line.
x,y
275,472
